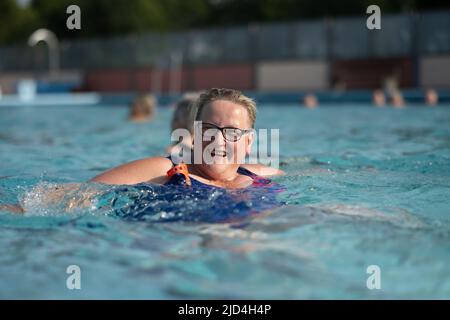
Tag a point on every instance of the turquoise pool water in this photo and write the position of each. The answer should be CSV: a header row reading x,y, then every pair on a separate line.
x,y
365,186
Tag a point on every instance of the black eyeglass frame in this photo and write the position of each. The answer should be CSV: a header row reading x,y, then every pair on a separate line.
x,y
222,130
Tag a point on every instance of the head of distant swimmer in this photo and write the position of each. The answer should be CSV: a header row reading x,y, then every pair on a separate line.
x,y
143,108
182,114
230,109
431,97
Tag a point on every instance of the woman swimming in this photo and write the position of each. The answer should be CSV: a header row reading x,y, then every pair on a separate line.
x,y
228,117
218,188
184,198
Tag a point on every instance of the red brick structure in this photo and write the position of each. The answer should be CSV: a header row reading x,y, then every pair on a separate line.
x,y
370,73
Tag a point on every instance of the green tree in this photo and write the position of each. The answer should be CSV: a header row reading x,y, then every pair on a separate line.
x,y
106,17
102,18
16,22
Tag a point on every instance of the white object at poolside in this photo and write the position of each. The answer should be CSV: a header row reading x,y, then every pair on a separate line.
x,y
26,89
51,40
50,99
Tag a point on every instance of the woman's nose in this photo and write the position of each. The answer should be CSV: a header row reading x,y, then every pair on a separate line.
x,y
218,137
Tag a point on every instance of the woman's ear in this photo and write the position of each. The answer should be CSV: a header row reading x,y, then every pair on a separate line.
x,y
249,143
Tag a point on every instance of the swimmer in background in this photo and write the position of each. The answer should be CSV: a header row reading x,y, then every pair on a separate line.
x,y
397,100
378,98
310,101
143,108
181,119
431,97
391,86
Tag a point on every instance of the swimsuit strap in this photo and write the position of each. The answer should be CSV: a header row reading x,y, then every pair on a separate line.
x,y
257,180
246,172
179,174
170,158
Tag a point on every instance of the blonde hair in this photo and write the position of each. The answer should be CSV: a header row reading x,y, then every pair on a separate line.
x,y
231,95
144,105
182,115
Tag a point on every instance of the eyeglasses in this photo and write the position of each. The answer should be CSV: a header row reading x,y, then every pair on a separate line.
x,y
229,133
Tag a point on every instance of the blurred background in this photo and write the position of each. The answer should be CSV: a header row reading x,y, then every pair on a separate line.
x,y
280,50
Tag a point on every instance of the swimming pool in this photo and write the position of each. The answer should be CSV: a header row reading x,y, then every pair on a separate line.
x,y
365,186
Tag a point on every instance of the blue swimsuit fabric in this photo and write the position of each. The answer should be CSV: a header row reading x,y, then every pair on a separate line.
x,y
198,202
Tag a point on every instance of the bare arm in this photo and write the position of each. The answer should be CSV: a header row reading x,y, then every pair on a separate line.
x,y
15,208
149,169
66,197
77,195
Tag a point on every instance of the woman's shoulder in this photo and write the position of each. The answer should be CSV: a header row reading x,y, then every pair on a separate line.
x,y
136,171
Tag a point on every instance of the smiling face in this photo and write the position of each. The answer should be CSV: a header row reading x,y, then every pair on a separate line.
x,y
226,155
